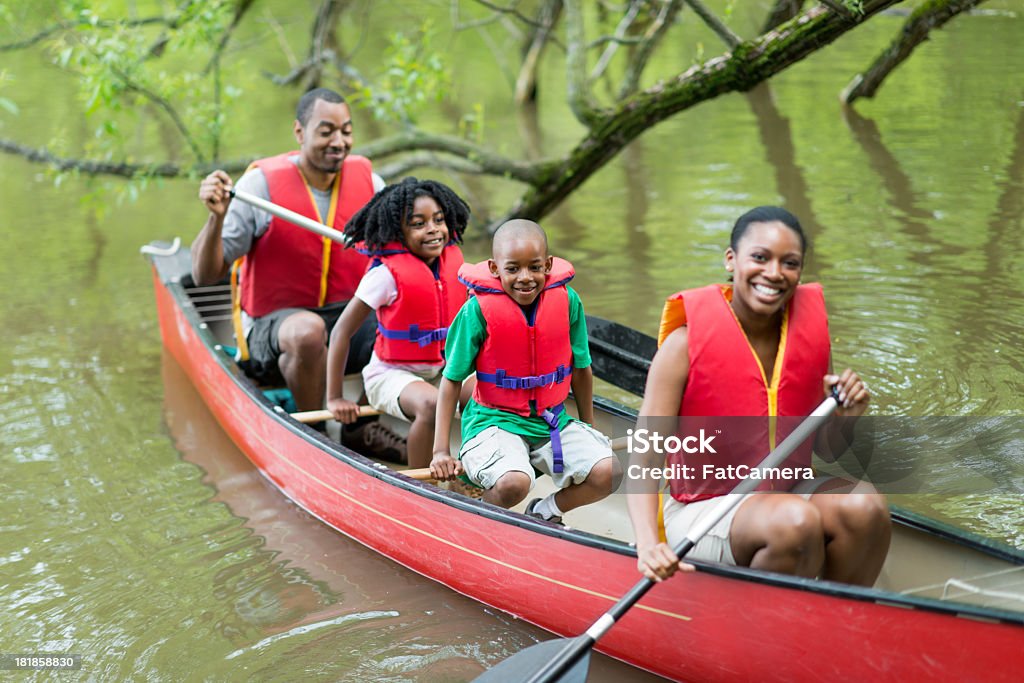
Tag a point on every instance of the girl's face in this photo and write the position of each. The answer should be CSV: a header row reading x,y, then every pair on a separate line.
x,y
425,233
766,267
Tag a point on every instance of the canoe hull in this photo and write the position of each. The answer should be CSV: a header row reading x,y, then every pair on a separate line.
x,y
729,625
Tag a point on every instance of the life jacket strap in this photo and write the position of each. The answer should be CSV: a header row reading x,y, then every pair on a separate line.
x,y
504,381
550,416
414,334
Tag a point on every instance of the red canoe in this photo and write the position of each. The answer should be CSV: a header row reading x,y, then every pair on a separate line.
x,y
949,605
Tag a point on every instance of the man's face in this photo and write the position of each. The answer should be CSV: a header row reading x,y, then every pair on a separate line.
x,y
326,139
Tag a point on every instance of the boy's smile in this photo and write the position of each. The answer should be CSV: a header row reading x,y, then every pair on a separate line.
x,y
522,263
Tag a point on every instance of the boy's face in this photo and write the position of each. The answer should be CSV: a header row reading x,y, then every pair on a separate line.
x,y
522,264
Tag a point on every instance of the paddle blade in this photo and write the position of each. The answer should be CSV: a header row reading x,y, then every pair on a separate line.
x,y
523,665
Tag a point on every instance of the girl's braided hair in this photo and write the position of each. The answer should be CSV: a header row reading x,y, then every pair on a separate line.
x,y
380,221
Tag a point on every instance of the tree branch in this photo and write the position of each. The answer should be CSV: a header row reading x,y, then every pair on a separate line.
x,y
168,108
240,10
121,169
526,82
839,8
915,31
715,24
749,64
488,162
781,12
580,101
510,10
636,66
69,25
393,171
620,32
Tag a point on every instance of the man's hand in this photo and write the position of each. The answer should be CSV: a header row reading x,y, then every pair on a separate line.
x,y
444,467
344,411
215,192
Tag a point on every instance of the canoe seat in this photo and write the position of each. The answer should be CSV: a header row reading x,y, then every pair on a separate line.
x,y
279,396
1003,588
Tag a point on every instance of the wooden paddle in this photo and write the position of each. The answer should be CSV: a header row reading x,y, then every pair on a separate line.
x,y
311,416
568,659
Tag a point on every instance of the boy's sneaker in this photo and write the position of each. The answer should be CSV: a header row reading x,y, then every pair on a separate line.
x,y
531,513
374,440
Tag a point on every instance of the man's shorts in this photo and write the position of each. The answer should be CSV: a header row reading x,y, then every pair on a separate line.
x,y
264,349
494,452
382,391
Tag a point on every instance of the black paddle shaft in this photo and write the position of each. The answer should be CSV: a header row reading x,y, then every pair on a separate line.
x,y
577,647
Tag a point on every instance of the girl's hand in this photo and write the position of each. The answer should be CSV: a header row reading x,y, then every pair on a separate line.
x,y
853,393
344,411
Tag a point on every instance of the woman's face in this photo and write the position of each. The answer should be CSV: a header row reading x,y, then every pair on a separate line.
x,y
766,267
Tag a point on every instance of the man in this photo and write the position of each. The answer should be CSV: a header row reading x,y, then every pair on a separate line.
x,y
294,284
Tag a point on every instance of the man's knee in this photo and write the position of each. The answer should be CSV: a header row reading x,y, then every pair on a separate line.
x,y
302,334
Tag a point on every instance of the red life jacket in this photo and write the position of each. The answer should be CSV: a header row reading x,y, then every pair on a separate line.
x,y
726,380
412,329
523,365
291,267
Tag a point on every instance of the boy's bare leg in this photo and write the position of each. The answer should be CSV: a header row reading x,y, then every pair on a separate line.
x,y
598,484
510,489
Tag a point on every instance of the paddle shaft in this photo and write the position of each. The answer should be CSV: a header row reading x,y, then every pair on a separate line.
x,y
290,216
577,647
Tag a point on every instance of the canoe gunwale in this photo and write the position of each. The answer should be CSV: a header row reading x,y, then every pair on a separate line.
x,y
169,273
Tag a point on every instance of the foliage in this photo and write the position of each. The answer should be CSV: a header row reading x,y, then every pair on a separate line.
x,y
414,75
130,69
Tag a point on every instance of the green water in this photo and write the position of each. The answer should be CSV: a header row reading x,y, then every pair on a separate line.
x,y
130,533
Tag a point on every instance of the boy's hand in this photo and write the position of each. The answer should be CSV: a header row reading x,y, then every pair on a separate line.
x,y
444,467
659,562
344,411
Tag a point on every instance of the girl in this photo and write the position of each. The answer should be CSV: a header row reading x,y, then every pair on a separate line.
x,y
759,347
411,231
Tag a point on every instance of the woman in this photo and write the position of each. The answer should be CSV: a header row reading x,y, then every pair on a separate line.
x,y
759,347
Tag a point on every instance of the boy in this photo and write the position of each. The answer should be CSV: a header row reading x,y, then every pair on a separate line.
x,y
525,334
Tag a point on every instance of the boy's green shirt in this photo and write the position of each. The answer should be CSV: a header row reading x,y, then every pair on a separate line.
x,y
465,337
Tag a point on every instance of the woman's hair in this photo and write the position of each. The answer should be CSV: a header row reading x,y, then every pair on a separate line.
x,y
767,214
380,221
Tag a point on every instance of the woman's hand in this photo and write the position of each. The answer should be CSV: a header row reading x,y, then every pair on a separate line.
x,y
659,562
853,393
